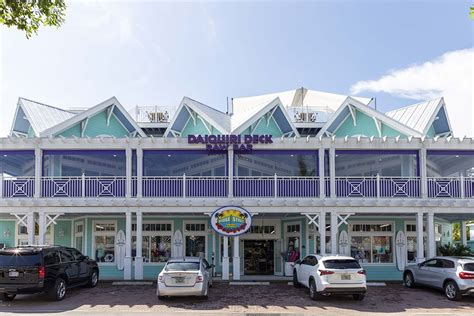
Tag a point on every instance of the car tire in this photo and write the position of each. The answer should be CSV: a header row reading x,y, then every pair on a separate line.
x,y
58,292
8,297
451,290
161,298
295,280
313,290
409,280
358,297
93,278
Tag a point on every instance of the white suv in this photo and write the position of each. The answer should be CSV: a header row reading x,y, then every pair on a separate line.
x,y
326,275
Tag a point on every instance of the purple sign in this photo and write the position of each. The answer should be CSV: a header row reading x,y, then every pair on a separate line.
x,y
222,142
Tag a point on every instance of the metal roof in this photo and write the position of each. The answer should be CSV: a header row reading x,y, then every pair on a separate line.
x,y
416,116
42,116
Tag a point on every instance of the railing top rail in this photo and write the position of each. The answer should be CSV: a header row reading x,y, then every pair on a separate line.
x,y
187,177
279,177
374,177
18,177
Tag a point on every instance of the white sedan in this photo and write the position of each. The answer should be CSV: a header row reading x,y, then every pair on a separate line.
x,y
327,275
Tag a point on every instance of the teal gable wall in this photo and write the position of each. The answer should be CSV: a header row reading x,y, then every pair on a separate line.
x,y
365,125
9,241
431,132
198,129
97,125
262,128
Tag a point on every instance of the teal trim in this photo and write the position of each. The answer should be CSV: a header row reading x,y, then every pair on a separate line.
x,y
66,227
365,125
431,132
5,226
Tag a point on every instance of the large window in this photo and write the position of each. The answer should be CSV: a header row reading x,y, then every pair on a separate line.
x,y
195,236
103,238
17,163
412,248
176,163
293,241
22,234
79,236
156,241
370,163
372,243
442,163
282,163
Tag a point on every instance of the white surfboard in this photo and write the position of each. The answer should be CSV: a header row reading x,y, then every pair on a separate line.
x,y
120,249
401,250
344,246
177,249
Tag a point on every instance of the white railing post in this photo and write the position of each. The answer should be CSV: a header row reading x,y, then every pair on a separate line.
x,y
1,185
139,172
423,174
128,172
230,172
461,183
378,185
83,185
275,185
184,185
332,171
322,184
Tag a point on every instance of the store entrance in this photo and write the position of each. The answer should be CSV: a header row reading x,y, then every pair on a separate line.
x,y
258,257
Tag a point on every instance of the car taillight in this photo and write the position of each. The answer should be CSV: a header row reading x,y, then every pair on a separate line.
x,y
325,272
466,275
362,272
199,279
160,279
41,272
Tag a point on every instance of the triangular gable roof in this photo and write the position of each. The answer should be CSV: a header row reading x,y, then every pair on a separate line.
x,y
420,116
40,116
216,118
351,102
90,112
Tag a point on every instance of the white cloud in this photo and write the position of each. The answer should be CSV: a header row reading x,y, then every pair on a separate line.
x,y
450,76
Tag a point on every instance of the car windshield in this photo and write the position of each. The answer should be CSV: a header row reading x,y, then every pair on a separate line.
x,y
20,259
182,266
341,264
468,267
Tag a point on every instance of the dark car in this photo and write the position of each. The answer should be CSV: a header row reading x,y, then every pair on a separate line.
x,y
44,269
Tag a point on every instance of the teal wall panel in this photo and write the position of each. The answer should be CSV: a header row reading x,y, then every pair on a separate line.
x,y
5,227
272,128
365,125
63,227
197,129
97,125
383,273
74,130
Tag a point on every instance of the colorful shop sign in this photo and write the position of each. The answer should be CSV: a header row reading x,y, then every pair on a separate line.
x,y
231,221
222,142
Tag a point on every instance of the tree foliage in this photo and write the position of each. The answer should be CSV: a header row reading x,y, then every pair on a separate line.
x,y
29,15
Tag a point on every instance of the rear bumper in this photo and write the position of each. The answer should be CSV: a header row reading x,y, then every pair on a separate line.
x,y
197,290
21,289
344,290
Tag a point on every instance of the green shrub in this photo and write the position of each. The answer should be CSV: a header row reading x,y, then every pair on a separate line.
x,y
455,250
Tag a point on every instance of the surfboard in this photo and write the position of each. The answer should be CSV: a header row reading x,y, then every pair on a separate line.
x,y
177,249
401,250
344,246
120,249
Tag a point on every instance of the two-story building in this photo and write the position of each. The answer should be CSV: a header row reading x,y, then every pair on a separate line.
x,y
318,172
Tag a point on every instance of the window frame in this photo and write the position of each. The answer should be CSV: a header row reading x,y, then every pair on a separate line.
x,y
104,233
391,234
415,234
81,234
149,233
196,233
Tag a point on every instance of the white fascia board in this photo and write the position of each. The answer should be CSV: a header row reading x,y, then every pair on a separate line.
x,y
93,110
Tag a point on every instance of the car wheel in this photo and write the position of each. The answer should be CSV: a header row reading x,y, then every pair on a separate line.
x,y
451,290
313,291
161,298
295,280
8,297
58,292
408,280
93,279
358,297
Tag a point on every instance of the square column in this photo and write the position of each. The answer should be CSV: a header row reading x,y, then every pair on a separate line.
x,y
464,233
322,233
236,259
138,256
230,171
38,171
322,179
31,227
127,268
423,174
42,227
430,230
420,257
225,258
139,172
333,233
128,172
332,171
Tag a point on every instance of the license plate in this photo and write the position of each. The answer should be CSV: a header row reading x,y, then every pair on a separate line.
x,y
345,277
179,280
13,274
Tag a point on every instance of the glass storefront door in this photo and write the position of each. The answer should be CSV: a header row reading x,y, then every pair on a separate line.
x,y
258,257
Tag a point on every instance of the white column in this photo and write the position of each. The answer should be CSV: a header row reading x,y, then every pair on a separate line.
x,y
423,173
230,172
322,232
333,233
1,185
42,227
322,193
31,228
127,270
138,256
128,172
332,171
419,237
139,172
430,230
236,259
225,258
38,171
464,233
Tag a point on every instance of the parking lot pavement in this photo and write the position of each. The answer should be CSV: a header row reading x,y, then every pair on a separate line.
x,y
277,298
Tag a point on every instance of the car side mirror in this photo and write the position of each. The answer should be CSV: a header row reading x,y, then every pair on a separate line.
x,y
298,261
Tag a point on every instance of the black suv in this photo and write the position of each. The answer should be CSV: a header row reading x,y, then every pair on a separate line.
x,y
48,269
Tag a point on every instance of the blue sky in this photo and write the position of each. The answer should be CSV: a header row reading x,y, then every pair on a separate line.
x,y
156,52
